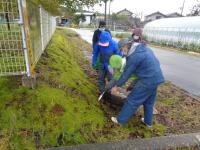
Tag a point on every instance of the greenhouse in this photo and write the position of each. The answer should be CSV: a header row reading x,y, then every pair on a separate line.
x,y
183,32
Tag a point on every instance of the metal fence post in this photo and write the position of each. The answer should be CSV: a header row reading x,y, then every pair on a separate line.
x,y
25,47
41,28
30,80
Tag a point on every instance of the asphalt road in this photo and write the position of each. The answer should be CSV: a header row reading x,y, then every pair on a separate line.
x,y
180,68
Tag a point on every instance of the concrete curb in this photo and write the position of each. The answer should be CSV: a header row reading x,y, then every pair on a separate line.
x,y
176,50
186,141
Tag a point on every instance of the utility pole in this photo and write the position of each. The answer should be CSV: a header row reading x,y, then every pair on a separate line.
x,y
182,7
105,18
110,7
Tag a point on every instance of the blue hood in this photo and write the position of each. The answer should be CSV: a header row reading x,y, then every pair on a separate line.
x,y
133,48
105,37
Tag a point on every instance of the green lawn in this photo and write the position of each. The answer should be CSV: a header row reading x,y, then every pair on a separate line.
x,y
62,110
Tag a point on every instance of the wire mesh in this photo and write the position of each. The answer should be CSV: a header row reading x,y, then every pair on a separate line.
x,y
48,25
35,30
12,61
42,26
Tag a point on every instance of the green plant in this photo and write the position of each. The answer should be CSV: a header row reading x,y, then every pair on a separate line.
x,y
122,35
79,18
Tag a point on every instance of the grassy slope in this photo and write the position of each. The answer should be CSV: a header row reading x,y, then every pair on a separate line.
x,y
62,110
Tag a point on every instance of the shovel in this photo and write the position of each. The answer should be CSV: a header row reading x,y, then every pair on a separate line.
x,y
108,88
100,97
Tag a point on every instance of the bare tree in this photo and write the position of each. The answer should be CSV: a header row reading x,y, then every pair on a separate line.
x,y
196,9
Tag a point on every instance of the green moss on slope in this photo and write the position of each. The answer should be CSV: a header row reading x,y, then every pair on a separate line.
x,y
62,110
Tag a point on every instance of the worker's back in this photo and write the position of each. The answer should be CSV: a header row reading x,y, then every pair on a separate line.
x,y
147,66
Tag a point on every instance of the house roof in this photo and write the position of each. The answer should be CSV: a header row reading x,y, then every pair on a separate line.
x,y
155,13
174,14
125,10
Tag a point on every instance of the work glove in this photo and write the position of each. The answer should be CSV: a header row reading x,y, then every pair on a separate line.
x,y
111,84
131,86
111,70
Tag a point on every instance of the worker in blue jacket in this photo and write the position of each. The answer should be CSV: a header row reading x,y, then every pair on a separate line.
x,y
97,32
142,62
105,48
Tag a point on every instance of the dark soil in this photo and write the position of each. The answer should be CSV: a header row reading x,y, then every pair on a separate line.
x,y
58,110
178,111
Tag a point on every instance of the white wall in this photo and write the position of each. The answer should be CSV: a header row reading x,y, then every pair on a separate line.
x,y
87,22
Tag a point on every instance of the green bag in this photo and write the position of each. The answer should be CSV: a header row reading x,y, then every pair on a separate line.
x,y
118,65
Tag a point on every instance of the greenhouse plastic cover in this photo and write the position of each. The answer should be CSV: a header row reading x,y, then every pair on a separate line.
x,y
180,22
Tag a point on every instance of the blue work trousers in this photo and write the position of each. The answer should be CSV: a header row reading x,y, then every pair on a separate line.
x,y
141,94
103,74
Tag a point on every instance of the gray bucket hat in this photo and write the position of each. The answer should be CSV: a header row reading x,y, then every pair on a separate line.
x,y
123,42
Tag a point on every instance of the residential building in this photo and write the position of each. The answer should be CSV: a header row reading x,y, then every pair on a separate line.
x,y
159,15
89,16
154,16
125,12
174,15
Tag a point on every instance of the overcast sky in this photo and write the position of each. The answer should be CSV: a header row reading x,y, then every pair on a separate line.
x,y
149,6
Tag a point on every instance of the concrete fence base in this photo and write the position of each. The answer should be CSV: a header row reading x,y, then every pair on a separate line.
x,y
29,82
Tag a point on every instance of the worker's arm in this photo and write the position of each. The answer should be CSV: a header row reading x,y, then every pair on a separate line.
x,y
95,55
110,85
128,70
95,38
115,48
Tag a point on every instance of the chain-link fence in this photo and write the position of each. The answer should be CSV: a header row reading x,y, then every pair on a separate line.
x,y
12,58
42,27
25,31
48,26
